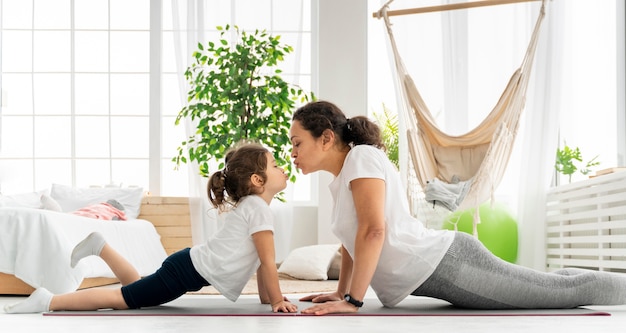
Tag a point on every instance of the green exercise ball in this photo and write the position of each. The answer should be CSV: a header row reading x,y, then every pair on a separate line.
x,y
497,229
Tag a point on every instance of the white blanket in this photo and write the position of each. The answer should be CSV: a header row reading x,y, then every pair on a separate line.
x,y
36,245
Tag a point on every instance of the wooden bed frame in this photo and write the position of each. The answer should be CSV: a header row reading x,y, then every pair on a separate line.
x,y
171,218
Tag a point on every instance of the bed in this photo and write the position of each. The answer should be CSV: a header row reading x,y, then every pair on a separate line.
x,y
36,243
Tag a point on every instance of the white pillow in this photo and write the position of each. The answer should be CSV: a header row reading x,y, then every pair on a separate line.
x,y
335,266
48,203
27,200
71,199
309,262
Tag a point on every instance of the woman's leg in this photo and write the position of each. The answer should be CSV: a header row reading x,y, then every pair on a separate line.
x,y
95,244
470,276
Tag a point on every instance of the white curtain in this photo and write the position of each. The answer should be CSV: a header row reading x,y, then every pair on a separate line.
x,y
574,99
540,138
188,24
192,20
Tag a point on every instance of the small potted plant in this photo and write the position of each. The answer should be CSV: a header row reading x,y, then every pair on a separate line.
x,y
569,160
236,93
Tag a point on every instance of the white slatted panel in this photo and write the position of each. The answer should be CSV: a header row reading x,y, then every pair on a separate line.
x,y
586,224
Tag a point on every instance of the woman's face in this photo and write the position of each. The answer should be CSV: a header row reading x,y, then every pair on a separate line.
x,y
306,150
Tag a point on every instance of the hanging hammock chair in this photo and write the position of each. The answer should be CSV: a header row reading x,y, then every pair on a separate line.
x,y
461,172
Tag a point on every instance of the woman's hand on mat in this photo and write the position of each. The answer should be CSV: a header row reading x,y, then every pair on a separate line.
x,y
321,298
331,307
284,306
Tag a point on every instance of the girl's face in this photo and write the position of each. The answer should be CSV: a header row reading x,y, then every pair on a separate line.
x,y
276,176
306,149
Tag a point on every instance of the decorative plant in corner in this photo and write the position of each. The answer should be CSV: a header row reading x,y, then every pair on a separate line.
x,y
236,93
567,160
388,123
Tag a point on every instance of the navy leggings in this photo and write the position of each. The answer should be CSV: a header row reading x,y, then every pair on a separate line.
x,y
175,277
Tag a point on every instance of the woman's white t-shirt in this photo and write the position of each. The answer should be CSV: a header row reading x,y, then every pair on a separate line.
x,y
410,252
229,259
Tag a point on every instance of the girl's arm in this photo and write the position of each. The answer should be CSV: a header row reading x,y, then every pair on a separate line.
x,y
268,274
263,296
369,200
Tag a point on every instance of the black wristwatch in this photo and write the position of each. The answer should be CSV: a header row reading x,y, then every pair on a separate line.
x,y
352,300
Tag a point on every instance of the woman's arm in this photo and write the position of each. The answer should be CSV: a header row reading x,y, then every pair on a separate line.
x,y
369,200
343,285
268,274
345,273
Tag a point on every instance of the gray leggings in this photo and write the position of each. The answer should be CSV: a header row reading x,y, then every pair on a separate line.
x,y
470,276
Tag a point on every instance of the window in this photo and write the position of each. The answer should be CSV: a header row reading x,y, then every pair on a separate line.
x,y
78,105
77,100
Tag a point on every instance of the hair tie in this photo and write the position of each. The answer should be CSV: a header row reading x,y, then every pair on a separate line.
x,y
348,126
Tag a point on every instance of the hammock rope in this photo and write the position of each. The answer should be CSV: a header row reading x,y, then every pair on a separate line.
x,y
475,161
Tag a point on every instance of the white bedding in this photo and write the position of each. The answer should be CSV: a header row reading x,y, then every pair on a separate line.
x,y
36,244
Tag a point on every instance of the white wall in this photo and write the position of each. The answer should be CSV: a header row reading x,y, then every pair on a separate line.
x,y
341,65
342,68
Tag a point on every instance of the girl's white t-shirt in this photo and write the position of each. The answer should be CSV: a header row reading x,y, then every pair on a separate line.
x,y
410,252
229,258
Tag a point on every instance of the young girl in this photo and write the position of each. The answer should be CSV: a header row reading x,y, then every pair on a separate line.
x,y
385,247
227,261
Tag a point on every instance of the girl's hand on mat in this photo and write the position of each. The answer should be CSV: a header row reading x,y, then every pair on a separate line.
x,y
284,306
321,298
331,307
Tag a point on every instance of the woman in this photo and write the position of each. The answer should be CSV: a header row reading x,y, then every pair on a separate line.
x,y
245,243
385,247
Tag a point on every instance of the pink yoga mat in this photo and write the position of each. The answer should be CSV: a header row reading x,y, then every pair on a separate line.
x,y
192,305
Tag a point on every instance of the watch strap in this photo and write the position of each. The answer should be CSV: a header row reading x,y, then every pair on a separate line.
x,y
352,300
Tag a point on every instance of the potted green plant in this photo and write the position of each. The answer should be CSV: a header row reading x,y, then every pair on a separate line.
x,y
236,93
569,160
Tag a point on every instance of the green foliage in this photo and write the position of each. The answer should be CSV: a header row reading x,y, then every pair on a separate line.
x,y
388,124
236,93
568,161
